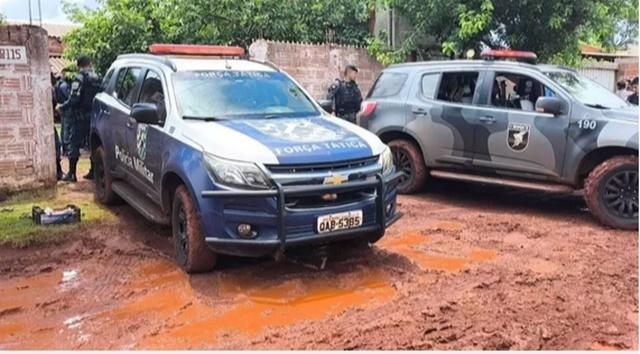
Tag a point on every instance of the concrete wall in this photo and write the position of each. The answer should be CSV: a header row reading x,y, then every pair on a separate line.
x,y
316,66
27,154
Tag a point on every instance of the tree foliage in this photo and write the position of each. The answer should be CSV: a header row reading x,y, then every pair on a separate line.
x,y
125,26
551,28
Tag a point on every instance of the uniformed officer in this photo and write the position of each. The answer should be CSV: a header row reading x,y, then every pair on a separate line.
x,y
78,106
61,92
346,95
58,144
633,97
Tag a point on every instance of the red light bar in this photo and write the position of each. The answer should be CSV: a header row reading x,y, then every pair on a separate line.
x,y
503,53
195,49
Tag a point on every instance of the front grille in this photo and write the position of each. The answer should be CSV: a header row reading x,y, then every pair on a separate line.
x,y
322,167
316,201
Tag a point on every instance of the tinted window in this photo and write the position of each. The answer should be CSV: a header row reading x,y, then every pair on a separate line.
x,y
240,94
458,87
517,91
152,92
126,84
430,85
388,84
106,80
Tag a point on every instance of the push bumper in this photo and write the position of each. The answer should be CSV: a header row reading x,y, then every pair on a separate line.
x,y
278,246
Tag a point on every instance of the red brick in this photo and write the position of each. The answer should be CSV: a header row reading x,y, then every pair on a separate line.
x,y
10,115
9,83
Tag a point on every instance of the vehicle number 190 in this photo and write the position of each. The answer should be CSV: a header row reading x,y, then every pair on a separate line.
x,y
340,221
587,124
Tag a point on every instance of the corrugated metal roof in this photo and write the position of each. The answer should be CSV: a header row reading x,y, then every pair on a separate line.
x,y
57,64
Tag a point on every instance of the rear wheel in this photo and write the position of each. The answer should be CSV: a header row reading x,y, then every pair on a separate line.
x,y
611,192
103,179
191,252
408,159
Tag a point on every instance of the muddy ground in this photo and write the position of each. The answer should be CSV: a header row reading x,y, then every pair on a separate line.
x,y
468,267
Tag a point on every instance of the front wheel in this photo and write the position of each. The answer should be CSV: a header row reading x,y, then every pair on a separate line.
x,y
191,252
408,159
103,179
611,192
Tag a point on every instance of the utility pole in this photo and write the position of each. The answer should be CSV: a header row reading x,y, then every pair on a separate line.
x,y
30,18
40,12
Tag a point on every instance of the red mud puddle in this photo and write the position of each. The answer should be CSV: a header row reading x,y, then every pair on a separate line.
x,y
255,308
20,295
160,307
410,243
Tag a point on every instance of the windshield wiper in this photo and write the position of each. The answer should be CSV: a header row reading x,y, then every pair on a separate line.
x,y
206,119
596,105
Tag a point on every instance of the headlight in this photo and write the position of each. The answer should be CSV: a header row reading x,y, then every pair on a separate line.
x,y
235,173
386,160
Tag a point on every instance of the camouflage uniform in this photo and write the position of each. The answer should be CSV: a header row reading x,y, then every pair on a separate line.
x,y
346,98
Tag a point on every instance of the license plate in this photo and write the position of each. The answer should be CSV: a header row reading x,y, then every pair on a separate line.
x,y
340,221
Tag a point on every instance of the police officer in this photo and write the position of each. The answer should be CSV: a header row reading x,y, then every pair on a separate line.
x,y
78,106
346,95
633,97
61,92
58,144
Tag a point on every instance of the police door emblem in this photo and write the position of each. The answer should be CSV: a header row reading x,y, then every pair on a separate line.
x,y
518,136
141,141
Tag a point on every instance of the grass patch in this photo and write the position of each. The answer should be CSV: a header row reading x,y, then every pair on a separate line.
x,y
18,230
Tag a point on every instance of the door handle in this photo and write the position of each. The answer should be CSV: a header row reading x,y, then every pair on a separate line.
x,y
419,111
131,123
487,119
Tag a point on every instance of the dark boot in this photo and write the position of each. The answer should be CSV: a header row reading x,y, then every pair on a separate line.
x,y
89,175
59,172
71,175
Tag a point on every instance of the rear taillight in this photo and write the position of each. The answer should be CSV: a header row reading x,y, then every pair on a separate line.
x,y
367,108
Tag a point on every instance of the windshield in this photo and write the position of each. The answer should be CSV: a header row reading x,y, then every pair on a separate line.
x,y
586,91
239,94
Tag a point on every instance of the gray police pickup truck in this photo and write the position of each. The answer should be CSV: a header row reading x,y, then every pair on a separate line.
x,y
541,127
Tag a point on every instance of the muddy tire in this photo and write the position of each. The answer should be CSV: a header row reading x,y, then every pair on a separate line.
x,y
103,179
191,252
408,159
611,192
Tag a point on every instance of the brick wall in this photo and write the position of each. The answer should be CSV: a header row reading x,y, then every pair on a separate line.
x,y
627,68
27,154
316,66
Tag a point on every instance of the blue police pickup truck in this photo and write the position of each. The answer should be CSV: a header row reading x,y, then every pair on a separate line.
x,y
235,156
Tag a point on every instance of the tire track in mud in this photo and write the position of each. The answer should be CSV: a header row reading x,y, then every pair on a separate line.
x,y
464,269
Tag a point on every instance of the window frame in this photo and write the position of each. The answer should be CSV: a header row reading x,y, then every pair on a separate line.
x,y
135,88
143,78
422,76
375,84
490,74
476,91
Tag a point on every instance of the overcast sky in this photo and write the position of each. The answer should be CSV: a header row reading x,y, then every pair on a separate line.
x,y
51,9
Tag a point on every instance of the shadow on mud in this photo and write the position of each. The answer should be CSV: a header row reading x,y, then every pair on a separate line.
x,y
498,198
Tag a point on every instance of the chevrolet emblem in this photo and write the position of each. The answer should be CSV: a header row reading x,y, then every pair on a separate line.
x,y
336,179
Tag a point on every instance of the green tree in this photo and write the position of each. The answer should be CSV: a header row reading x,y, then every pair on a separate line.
x,y
551,28
125,26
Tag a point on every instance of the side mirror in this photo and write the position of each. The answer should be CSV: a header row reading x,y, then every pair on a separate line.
x,y
327,105
145,113
551,105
